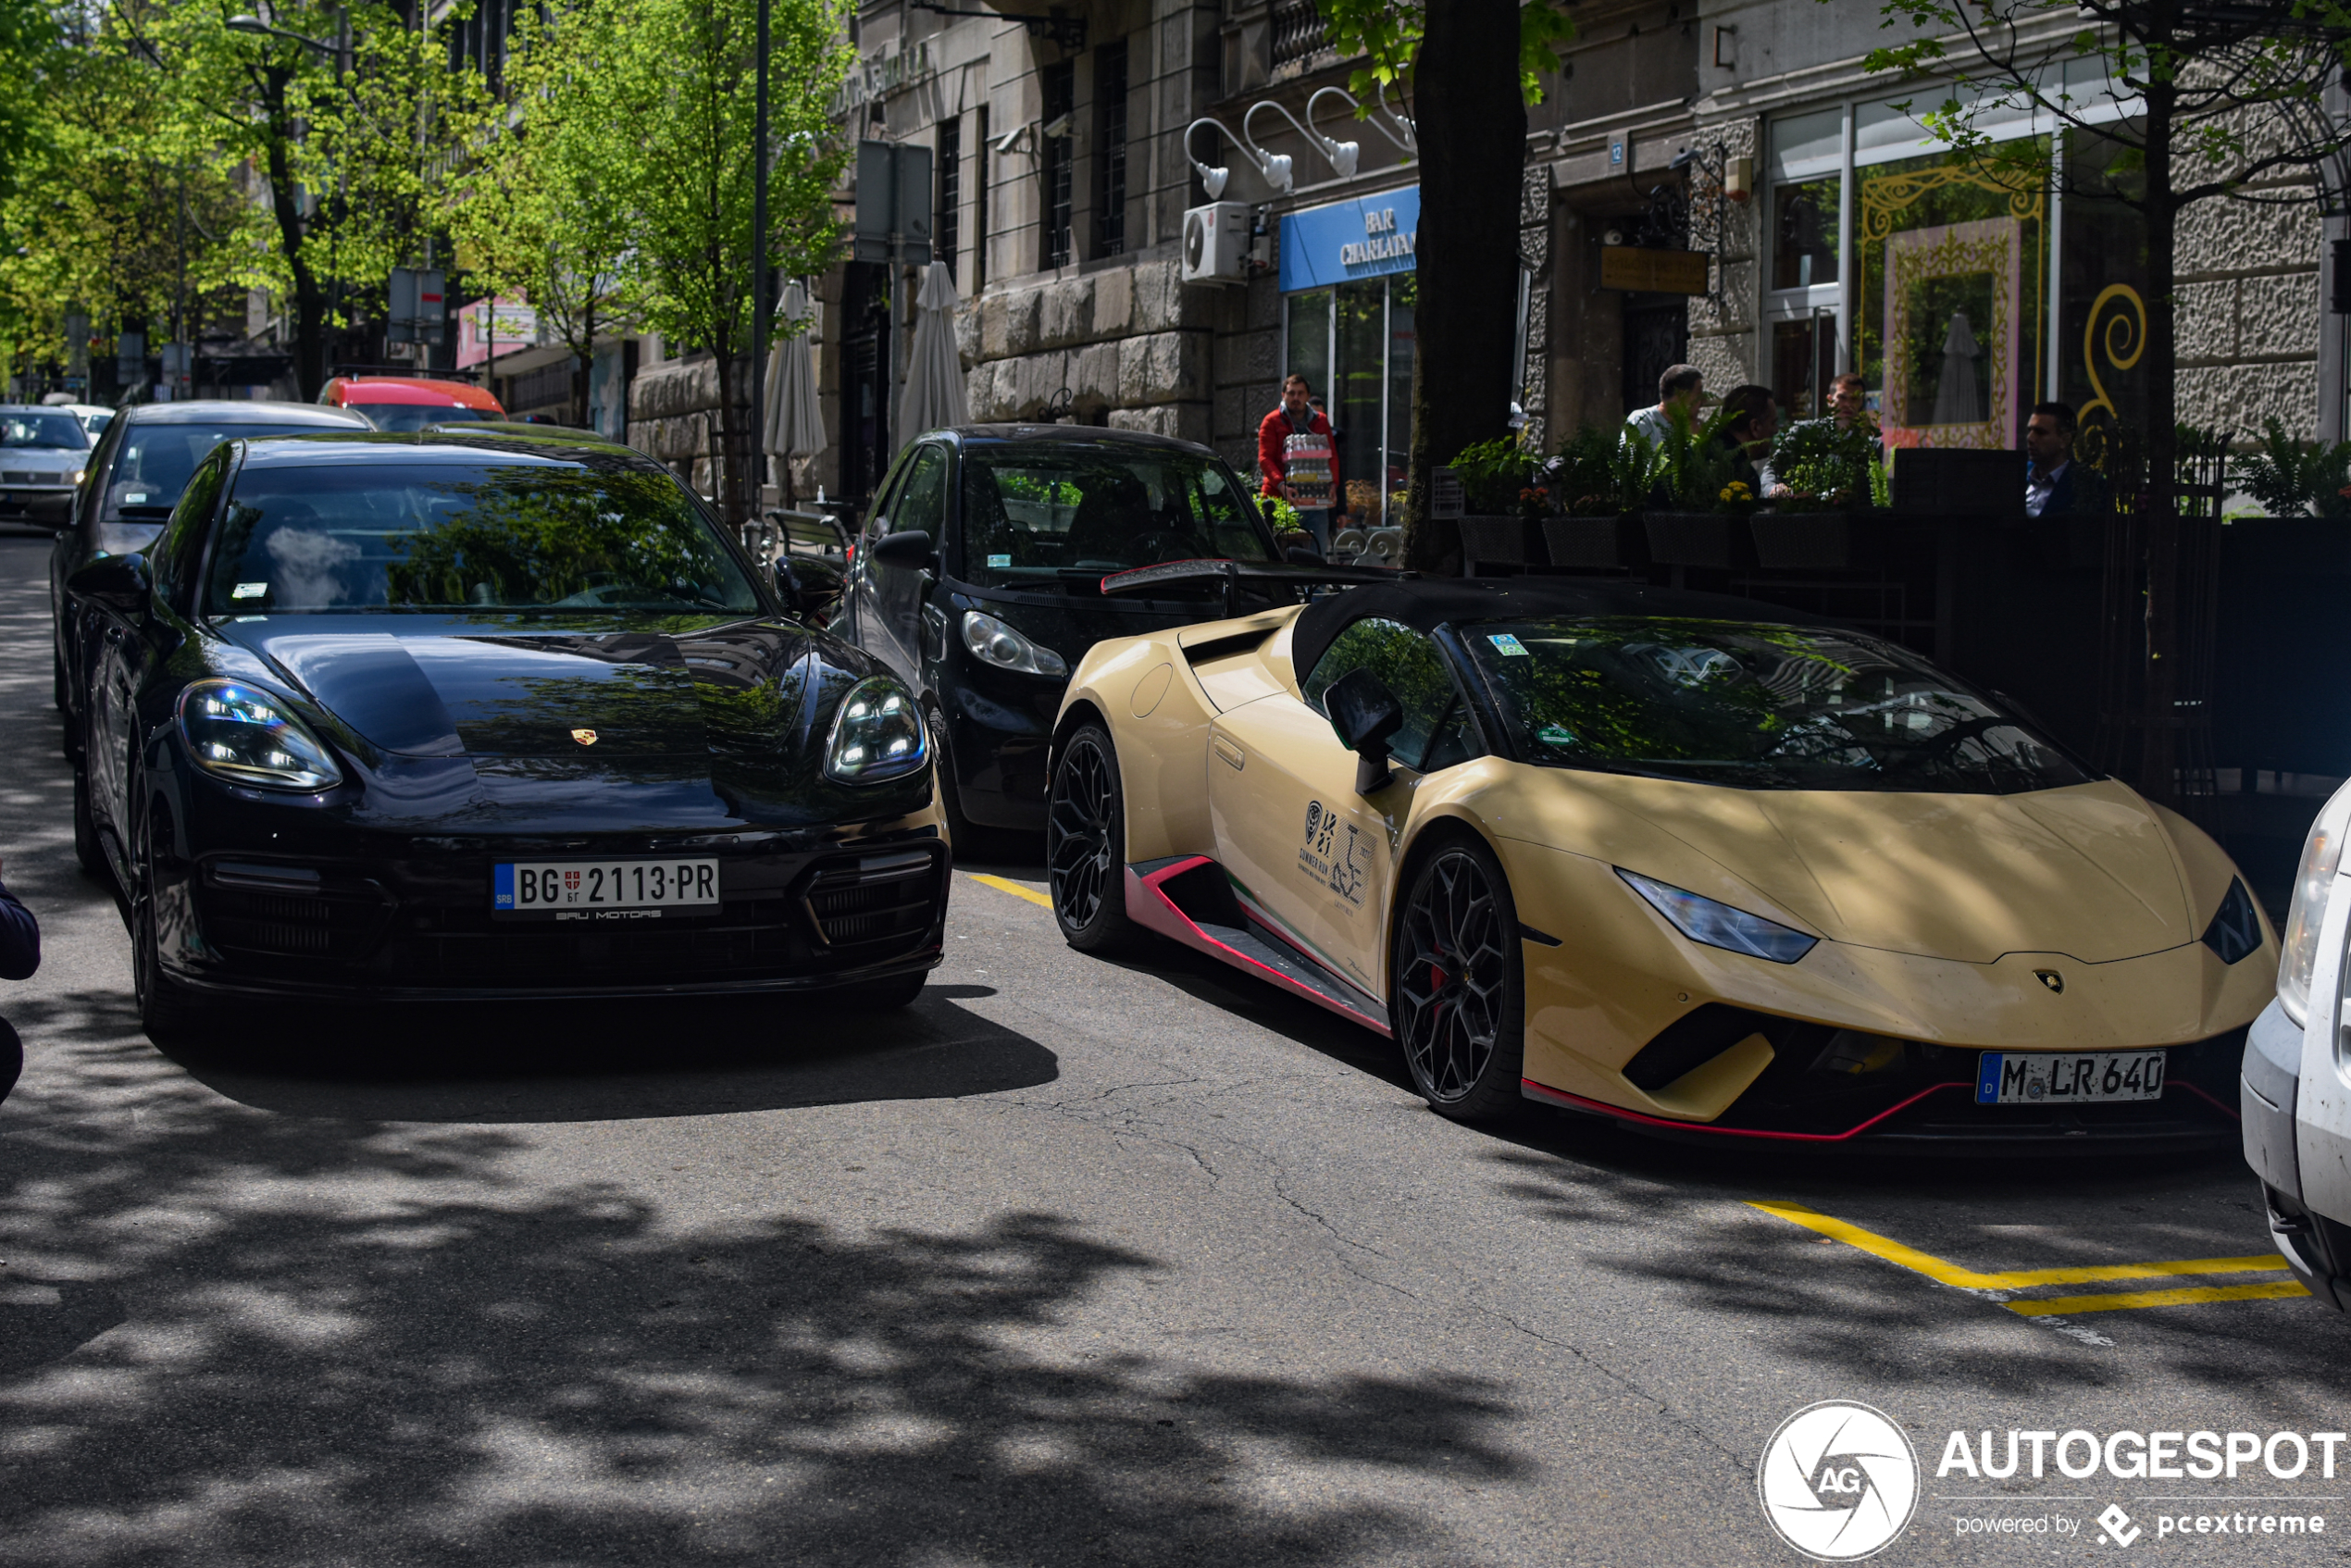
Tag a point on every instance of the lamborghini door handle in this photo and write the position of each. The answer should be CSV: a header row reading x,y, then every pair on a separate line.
x,y
1229,752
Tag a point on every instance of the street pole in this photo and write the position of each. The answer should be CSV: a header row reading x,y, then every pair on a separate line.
x,y
759,277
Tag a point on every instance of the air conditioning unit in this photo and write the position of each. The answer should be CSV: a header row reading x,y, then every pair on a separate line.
x,y
1216,243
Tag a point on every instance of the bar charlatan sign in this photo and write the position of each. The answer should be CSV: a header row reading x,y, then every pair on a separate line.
x,y
1642,270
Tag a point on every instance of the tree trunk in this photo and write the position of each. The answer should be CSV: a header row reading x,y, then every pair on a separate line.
x,y
583,374
731,502
2160,752
309,300
1473,138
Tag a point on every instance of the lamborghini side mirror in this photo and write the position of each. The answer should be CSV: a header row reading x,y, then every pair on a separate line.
x,y
1365,714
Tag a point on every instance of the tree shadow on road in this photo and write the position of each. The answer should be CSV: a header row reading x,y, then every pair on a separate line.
x,y
210,1357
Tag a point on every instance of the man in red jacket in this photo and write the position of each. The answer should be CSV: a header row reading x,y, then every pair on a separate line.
x,y
1296,416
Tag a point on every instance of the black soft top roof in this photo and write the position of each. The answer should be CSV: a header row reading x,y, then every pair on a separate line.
x,y
1425,603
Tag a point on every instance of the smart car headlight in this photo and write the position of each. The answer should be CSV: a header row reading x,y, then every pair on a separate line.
x,y
994,642
243,733
2313,882
877,734
1718,925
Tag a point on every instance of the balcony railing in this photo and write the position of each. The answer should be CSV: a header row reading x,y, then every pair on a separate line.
x,y
1298,37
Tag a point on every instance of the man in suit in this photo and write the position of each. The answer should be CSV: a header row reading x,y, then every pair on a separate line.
x,y
2054,483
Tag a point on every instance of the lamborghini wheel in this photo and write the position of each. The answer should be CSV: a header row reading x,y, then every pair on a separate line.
x,y
1085,844
1460,1008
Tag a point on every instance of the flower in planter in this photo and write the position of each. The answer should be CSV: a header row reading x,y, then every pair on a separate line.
x,y
1535,500
1736,496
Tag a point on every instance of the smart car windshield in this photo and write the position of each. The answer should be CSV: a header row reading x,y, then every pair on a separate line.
x,y
1765,707
416,415
488,536
24,428
152,467
1033,511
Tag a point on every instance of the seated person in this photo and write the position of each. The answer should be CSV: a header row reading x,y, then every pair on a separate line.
x,y
1755,419
2054,483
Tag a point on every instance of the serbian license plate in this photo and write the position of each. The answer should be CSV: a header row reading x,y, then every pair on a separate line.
x,y
2007,1077
602,889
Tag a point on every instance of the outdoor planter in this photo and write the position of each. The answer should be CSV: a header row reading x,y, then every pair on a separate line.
x,y
1596,544
1818,542
1493,542
1721,539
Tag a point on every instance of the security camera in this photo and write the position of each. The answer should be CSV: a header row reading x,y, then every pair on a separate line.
x,y
1612,236
1054,129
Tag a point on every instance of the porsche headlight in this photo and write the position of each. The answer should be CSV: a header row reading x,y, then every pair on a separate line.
x,y
243,733
2313,881
1718,925
877,734
991,641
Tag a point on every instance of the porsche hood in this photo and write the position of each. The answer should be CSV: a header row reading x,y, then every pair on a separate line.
x,y
2090,871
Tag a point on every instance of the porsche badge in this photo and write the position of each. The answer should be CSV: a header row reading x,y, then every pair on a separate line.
x,y
585,737
2051,979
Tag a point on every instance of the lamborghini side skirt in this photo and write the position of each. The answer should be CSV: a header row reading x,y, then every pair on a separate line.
x,y
1157,894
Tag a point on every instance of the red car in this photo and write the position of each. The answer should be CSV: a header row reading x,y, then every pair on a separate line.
x,y
410,403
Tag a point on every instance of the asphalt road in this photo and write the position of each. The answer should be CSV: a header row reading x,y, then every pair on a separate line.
x,y
1071,1263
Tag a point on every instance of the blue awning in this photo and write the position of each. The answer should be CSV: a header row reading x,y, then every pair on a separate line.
x,y
1368,237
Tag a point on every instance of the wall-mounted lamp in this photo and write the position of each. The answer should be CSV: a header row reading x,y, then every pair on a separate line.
x,y
1211,176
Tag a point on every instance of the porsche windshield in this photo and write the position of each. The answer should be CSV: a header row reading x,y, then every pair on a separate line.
x,y
1768,707
1033,511
347,536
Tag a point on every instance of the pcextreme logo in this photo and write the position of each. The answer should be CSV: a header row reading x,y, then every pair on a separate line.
x,y
1839,1481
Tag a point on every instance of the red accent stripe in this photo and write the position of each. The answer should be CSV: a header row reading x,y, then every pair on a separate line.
x,y
2234,1113
1149,905
1534,1090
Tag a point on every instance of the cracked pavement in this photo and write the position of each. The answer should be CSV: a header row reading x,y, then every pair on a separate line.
x,y
1074,1262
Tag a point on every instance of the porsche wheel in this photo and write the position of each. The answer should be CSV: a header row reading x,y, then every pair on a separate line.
x,y
1460,1007
1086,842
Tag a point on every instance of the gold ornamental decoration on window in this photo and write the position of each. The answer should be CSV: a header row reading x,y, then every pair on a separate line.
x,y
1952,330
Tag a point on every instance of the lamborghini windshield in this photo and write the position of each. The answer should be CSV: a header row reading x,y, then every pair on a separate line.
x,y
372,536
1765,707
1035,510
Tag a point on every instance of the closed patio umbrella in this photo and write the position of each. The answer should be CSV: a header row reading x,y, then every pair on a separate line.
x,y
934,393
793,427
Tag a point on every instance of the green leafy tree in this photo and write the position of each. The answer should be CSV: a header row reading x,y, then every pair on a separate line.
x,y
674,82
538,201
2221,101
1472,66
343,116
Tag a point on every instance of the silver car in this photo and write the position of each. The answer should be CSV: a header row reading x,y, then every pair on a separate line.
x,y
43,453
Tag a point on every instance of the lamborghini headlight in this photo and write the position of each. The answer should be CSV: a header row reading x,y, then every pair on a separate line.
x,y
2313,882
1718,925
991,641
877,734
244,734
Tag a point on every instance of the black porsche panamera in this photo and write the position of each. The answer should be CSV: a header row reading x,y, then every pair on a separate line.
x,y
439,717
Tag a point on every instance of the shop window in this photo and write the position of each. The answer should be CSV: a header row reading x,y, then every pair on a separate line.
x,y
1805,248
1359,385
1804,363
2102,294
1403,294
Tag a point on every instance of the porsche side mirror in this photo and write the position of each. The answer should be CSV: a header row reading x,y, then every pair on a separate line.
x,y
1302,557
119,583
908,549
1365,713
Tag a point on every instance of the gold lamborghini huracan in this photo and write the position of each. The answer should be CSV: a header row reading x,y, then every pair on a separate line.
x,y
1683,861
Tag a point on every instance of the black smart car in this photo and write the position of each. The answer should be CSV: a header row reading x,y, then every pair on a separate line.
x,y
401,715
977,578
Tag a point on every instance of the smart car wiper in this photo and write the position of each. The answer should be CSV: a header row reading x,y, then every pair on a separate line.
x,y
1234,573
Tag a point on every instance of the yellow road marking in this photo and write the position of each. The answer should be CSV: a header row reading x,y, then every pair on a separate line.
x,y
1944,1273
1003,886
2067,1305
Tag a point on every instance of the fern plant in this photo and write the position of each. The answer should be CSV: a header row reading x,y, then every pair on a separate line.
x,y
1694,463
2291,480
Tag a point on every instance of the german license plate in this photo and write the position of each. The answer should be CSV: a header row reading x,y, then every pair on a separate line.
x,y
2015,1078
602,889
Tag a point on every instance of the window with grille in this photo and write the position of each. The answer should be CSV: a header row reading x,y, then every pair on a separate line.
x,y
947,230
1110,157
1060,163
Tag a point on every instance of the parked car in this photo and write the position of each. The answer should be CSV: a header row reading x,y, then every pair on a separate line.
x,y
410,403
43,454
1691,863
379,718
2297,1107
136,474
94,418
978,574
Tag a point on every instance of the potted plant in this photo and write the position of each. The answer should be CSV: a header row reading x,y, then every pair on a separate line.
x,y
1602,479
1831,475
1498,479
1699,529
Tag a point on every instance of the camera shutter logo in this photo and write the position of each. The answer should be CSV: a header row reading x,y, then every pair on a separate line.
x,y
1839,1481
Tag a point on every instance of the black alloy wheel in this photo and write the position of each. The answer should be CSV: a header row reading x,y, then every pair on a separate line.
x,y
1086,844
1460,1007
166,1013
